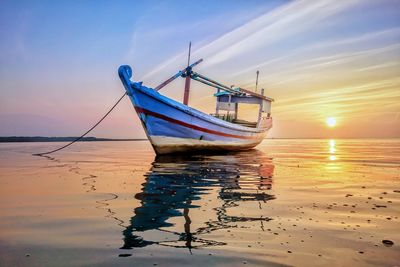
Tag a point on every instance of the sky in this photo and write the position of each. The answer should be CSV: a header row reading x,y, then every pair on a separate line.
x,y
317,59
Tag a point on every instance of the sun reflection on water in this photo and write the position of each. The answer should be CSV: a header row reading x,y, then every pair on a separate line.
x,y
332,149
333,165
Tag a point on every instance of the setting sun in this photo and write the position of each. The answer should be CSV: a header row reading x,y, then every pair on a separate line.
x,y
331,122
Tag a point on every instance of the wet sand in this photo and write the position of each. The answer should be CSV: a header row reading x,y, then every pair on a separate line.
x,y
288,202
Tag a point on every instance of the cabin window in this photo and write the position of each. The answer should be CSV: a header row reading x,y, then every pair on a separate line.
x,y
248,112
247,115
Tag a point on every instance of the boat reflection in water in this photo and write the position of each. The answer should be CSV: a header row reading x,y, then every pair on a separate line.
x,y
176,185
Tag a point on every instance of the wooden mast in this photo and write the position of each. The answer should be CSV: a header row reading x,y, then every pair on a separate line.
x,y
188,78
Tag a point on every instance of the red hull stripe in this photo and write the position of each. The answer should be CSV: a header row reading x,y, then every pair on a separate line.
x,y
191,126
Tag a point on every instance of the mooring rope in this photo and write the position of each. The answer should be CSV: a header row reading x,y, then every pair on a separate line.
x,y
83,135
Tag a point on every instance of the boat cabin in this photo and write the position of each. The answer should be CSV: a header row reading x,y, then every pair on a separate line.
x,y
228,99
227,107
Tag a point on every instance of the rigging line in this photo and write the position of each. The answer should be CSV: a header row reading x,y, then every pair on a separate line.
x,y
83,135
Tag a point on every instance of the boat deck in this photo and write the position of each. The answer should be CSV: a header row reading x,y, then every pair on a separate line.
x,y
230,118
245,123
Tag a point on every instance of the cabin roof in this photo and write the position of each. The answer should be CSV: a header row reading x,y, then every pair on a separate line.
x,y
239,92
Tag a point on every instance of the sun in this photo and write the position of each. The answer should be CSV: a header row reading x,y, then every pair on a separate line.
x,y
331,122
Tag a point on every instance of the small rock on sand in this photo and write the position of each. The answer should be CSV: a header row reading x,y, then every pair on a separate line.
x,y
387,243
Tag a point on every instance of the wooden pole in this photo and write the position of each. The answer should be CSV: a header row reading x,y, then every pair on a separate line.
x,y
260,110
187,91
177,75
190,48
257,80
217,107
187,81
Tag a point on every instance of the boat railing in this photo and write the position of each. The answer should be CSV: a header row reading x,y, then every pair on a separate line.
x,y
225,117
231,118
245,123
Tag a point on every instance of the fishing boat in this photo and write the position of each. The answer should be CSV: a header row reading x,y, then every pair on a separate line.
x,y
174,127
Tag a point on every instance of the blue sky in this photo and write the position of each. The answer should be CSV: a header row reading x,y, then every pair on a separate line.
x,y
59,60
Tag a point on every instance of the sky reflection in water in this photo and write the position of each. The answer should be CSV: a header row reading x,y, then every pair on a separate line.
x,y
287,202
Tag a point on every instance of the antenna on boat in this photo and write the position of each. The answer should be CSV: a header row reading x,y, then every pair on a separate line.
x,y
190,48
258,72
188,78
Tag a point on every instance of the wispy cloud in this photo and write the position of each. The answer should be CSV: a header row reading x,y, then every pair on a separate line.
x,y
309,66
274,26
312,70
308,51
367,99
290,19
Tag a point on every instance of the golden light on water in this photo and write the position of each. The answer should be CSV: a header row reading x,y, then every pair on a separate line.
x,y
331,122
332,144
332,150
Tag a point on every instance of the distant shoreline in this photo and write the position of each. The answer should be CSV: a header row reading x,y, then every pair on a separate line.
x,y
29,139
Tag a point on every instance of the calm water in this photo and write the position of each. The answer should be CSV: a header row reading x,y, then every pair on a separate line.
x,y
288,202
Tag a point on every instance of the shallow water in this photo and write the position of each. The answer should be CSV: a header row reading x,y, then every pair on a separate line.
x,y
288,202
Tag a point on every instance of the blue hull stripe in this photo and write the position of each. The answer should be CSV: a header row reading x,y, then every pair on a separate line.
x,y
191,126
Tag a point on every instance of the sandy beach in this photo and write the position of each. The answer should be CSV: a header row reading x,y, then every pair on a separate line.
x,y
289,202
